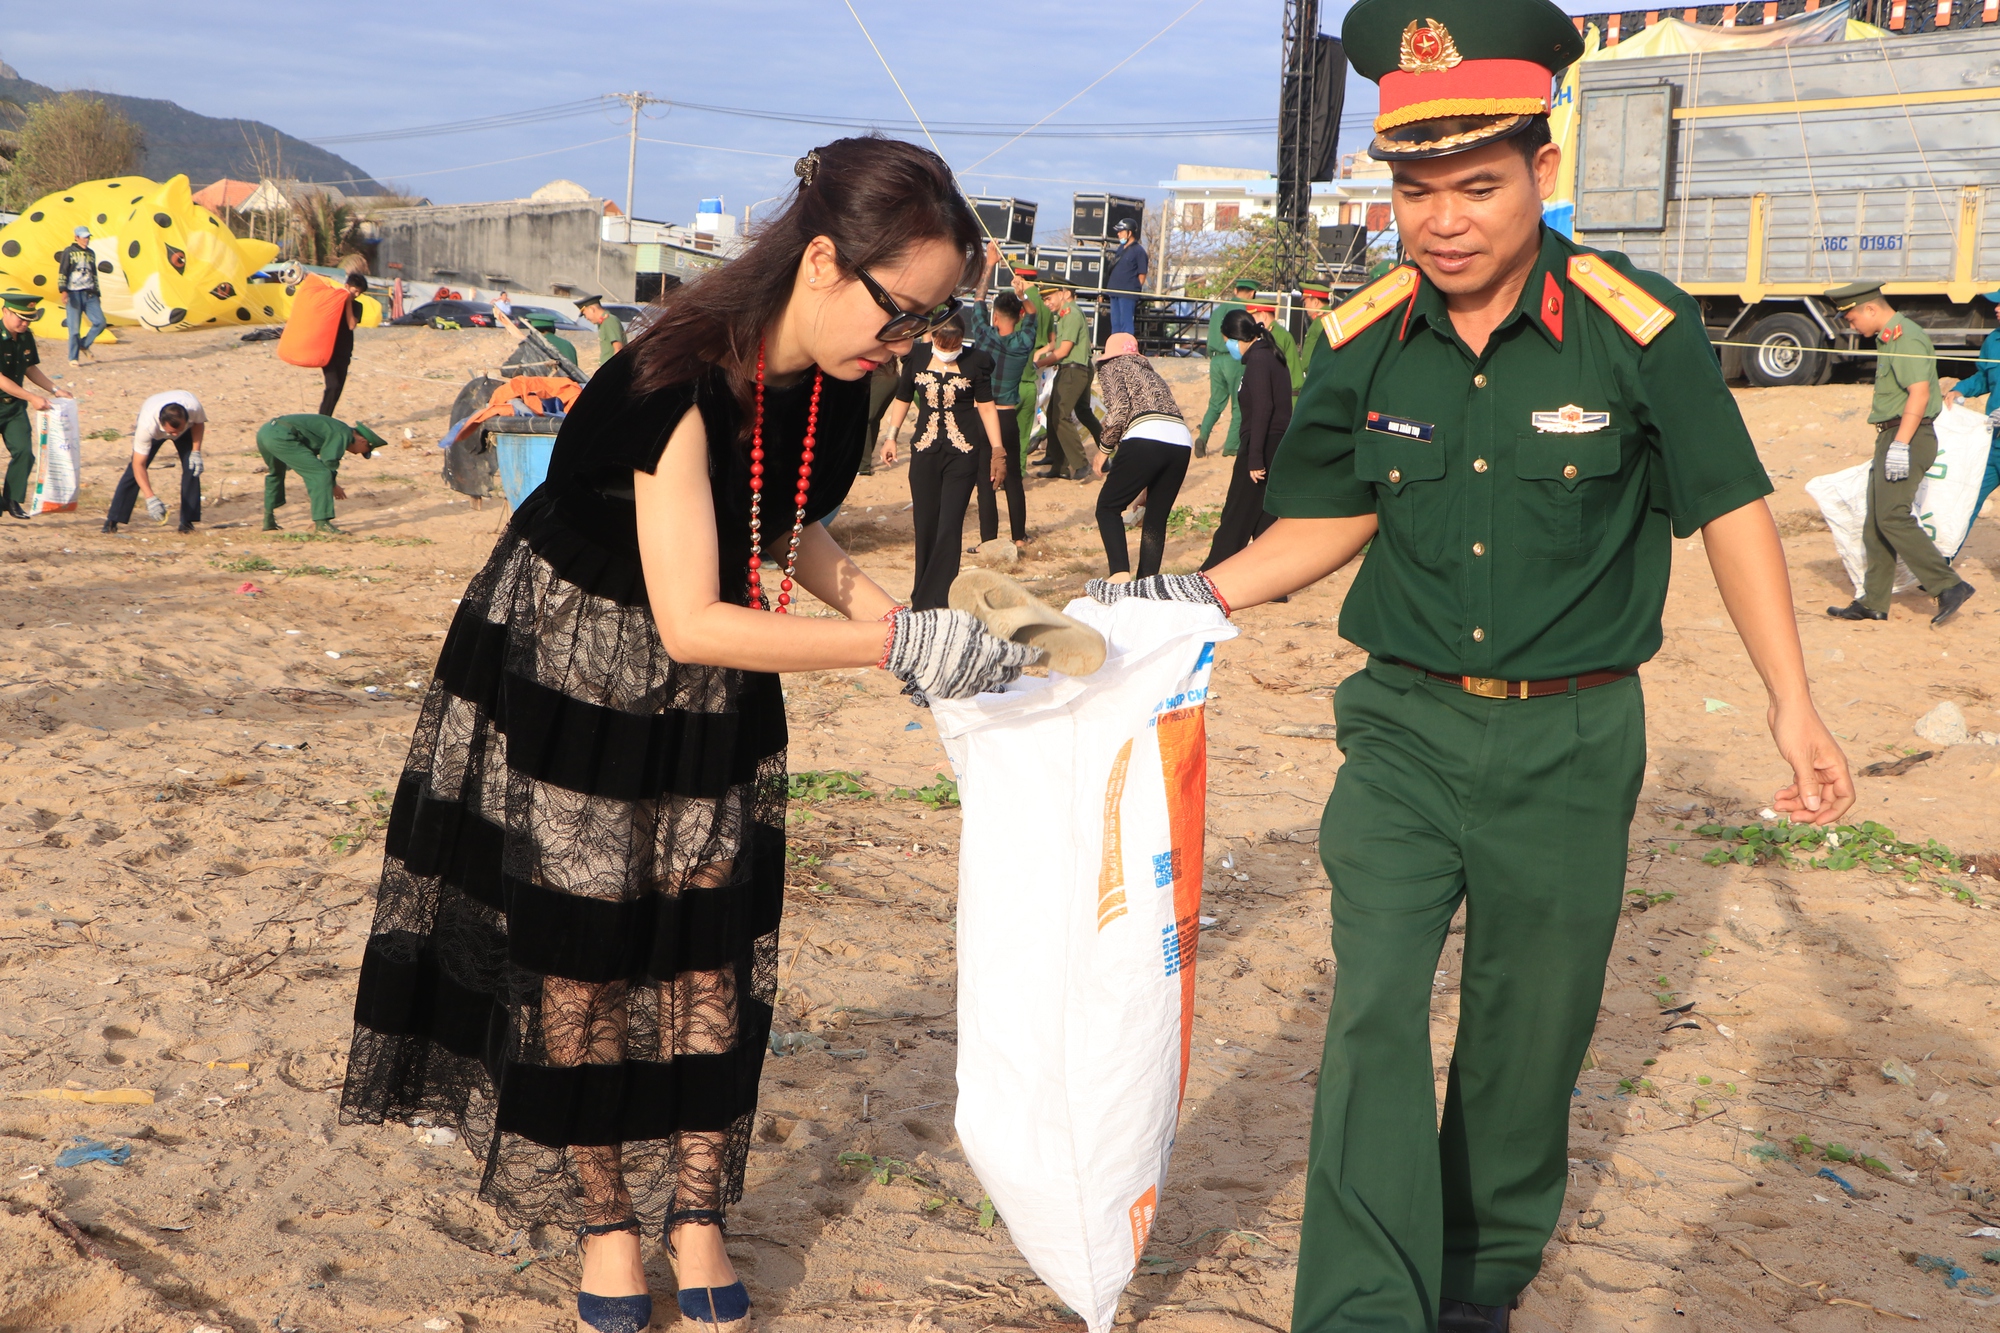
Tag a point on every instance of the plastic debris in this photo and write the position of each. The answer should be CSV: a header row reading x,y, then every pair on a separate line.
x,y
248,589
1990,1256
229,1064
1939,1264
1715,706
436,1136
1827,1173
788,1042
91,1150
1988,1233
92,1096
1895,1071
914,726
335,656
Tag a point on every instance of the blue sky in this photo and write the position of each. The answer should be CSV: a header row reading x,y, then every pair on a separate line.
x,y
319,73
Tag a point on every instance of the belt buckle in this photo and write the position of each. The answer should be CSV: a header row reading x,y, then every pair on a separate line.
x,y
1486,687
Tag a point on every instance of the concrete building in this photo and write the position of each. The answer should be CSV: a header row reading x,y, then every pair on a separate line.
x,y
550,246
1219,198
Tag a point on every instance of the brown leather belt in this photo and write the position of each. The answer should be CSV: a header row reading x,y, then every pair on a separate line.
x,y
1488,687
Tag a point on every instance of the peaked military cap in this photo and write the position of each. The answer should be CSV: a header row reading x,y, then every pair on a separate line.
x,y
1853,294
1457,74
586,302
374,441
21,303
1311,287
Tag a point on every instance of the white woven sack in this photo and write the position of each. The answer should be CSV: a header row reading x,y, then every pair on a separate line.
x,y
1944,500
58,444
1077,940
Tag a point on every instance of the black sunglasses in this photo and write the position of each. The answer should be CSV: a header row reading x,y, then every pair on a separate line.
x,y
903,324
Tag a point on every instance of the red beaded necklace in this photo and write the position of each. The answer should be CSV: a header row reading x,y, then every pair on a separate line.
x,y
756,598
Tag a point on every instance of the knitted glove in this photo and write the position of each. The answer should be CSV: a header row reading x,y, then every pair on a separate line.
x,y
1896,463
194,464
1194,588
157,508
949,655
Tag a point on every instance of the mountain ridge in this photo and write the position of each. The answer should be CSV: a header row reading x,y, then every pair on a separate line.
x,y
207,148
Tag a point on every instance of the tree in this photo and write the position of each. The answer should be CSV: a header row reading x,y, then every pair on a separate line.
x,y
323,230
68,139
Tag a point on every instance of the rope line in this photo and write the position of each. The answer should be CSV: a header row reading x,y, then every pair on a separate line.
x,y
1087,87
893,79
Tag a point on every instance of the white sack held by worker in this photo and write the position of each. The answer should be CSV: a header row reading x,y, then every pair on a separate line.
x,y
1944,500
1076,940
58,445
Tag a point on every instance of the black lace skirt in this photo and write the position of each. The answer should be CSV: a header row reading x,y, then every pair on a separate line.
x,y
573,954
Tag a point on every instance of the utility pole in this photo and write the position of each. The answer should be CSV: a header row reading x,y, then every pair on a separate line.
x,y
636,102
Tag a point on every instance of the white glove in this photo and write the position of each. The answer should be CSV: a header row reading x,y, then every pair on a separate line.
x,y
949,655
1896,463
1194,588
157,508
194,464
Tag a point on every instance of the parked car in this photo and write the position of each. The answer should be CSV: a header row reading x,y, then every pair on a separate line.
x,y
451,315
633,317
521,312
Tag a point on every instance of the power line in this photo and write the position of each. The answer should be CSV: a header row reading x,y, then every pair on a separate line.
x,y
503,120
718,148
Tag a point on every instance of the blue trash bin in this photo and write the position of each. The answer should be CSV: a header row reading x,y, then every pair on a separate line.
x,y
524,463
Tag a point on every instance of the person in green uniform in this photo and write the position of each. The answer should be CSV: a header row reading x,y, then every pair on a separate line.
x,y
1028,287
1314,296
1907,400
1288,346
1225,372
21,375
1069,403
610,329
1517,429
544,323
311,446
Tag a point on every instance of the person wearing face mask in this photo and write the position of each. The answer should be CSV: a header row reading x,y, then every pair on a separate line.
x,y
572,962
1264,406
957,435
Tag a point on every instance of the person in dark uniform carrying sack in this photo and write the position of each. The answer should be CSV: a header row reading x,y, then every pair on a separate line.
x,y
21,374
1522,426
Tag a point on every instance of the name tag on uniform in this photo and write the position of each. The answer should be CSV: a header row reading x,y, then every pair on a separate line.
x,y
1399,426
1571,420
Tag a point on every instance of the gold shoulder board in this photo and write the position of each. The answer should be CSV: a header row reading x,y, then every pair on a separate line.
x,y
1624,300
1346,321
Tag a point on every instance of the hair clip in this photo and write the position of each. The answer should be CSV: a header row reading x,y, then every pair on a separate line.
x,y
807,168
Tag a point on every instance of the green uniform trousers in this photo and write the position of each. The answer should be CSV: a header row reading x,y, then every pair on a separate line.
x,y
1892,530
280,455
1225,376
1521,808
1069,403
16,428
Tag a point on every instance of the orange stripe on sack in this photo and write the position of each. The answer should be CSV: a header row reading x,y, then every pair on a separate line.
x,y
1111,872
1142,1214
1184,765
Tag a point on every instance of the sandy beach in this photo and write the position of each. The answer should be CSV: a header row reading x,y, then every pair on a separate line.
x,y
200,733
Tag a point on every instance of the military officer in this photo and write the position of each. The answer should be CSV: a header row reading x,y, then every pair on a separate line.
x,y
21,375
1225,373
1522,427
1314,296
311,446
1907,400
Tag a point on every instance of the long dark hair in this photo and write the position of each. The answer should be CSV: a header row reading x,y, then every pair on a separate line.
x,y
873,197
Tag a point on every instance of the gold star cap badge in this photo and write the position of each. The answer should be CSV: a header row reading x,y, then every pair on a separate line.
x,y
1428,48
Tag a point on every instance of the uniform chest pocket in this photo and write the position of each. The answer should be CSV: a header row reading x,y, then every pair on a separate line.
x,y
1410,500
1569,485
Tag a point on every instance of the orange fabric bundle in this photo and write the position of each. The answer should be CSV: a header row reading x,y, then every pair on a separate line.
x,y
534,388
317,309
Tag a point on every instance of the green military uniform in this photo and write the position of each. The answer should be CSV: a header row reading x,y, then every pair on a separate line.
x,y
311,446
1225,376
609,334
1069,400
1289,347
1045,320
17,353
1908,358
1315,331
1527,497
545,326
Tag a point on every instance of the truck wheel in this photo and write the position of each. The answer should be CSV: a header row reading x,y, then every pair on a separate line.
x,y
1788,349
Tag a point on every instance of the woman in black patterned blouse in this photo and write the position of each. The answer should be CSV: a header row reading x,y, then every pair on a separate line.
x,y
957,432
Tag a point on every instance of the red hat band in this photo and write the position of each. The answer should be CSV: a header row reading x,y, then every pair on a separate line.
x,y
1468,88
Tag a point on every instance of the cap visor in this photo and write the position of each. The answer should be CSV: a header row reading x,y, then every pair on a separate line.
x,y
1410,143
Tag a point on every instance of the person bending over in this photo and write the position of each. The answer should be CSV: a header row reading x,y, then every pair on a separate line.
x,y
175,417
311,446
1151,445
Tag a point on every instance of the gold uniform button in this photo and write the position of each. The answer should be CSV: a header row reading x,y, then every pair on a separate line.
x,y
1479,548
1569,473
1479,636
1478,465
1394,476
1478,381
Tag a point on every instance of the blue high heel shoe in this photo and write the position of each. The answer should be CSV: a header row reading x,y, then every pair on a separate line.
x,y
721,1309
612,1314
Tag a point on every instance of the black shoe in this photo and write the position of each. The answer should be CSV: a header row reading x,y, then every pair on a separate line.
x,y
1957,595
14,510
185,528
1465,1317
109,527
1854,610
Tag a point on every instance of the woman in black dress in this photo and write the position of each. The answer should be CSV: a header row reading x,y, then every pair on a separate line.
x,y
573,954
1264,403
957,433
